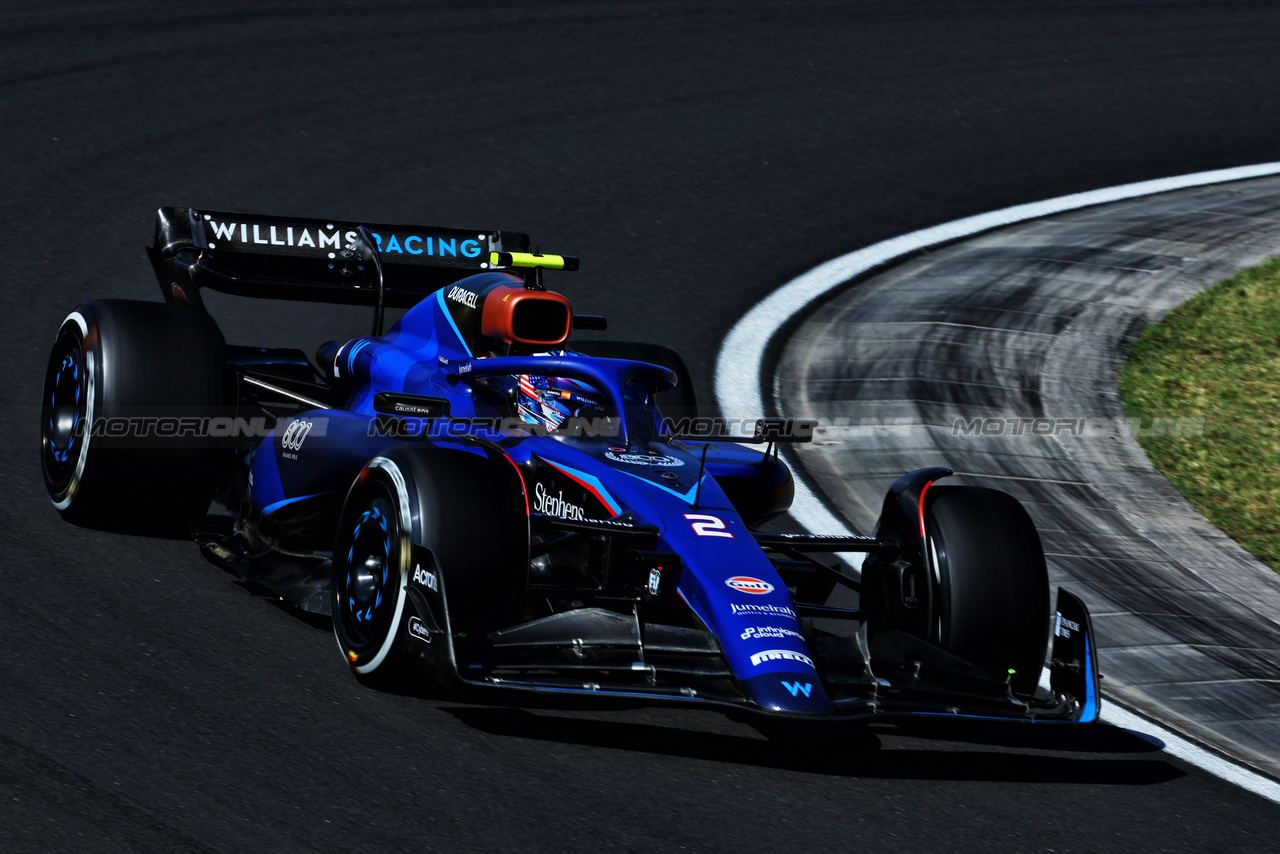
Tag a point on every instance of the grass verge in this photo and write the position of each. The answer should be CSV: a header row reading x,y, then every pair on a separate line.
x,y
1217,357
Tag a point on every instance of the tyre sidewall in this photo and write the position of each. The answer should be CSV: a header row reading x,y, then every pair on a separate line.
x,y
381,478
150,361
460,507
63,481
992,584
470,513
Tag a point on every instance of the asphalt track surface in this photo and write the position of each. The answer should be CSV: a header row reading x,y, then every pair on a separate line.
x,y
1031,322
695,159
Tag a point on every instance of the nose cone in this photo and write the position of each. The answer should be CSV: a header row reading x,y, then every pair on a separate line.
x,y
798,693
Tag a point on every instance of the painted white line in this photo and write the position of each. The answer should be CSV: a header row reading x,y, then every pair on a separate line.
x,y
738,379
1176,745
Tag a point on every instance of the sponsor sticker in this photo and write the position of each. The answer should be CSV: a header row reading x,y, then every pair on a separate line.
x,y
770,632
755,611
748,584
415,245
277,235
1065,627
312,236
660,460
418,630
555,505
294,435
425,578
463,295
780,655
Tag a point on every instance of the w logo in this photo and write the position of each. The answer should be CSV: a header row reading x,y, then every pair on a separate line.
x,y
797,688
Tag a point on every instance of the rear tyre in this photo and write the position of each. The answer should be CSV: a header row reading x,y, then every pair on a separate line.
x,y
468,510
128,393
678,404
993,602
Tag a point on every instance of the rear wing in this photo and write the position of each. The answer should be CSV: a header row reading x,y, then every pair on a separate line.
x,y
313,259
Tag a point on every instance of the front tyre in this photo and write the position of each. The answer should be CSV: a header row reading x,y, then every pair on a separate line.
x,y
993,602
370,577
468,511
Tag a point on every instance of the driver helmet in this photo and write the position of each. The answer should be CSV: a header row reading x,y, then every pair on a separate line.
x,y
550,401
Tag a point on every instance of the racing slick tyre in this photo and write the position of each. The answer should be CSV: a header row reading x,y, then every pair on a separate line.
x,y
128,394
993,608
677,405
468,510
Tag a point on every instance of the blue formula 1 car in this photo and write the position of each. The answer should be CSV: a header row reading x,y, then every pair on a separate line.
x,y
475,499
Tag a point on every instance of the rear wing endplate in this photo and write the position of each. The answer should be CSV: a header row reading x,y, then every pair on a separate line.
x,y
290,258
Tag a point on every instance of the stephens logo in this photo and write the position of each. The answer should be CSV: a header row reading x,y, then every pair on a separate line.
x,y
747,584
659,460
555,505
780,655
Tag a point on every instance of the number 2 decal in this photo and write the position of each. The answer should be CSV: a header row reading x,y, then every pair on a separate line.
x,y
707,526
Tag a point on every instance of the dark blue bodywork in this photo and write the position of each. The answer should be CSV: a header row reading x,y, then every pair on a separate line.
x,y
633,561
727,580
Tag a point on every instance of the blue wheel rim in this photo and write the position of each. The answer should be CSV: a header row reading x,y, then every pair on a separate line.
x,y
367,574
63,423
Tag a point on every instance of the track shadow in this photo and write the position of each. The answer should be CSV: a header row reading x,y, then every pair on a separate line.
x,y
320,622
850,750
1075,739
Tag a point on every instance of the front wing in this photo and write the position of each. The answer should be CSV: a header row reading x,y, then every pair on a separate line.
x,y
596,651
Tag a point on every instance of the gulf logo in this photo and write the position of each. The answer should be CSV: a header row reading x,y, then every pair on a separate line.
x,y
747,584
